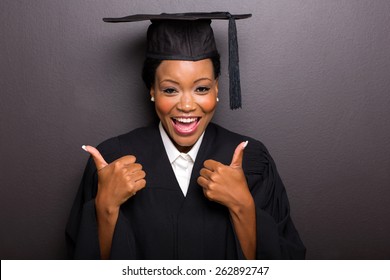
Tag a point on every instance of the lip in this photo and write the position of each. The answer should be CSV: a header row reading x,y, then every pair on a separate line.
x,y
185,125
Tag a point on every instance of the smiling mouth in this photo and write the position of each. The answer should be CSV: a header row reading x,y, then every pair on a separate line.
x,y
185,126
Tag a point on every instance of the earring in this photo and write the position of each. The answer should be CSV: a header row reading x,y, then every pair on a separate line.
x,y
217,99
152,99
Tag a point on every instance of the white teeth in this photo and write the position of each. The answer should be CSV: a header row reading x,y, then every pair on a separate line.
x,y
186,120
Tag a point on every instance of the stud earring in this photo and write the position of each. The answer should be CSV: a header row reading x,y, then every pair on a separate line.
x,y
217,99
152,99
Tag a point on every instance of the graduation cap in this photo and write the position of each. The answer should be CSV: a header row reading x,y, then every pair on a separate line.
x,y
189,36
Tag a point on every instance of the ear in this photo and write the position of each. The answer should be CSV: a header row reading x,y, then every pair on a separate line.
x,y
151,92
216,87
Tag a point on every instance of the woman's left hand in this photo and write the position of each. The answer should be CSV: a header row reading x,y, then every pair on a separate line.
x,y
226,184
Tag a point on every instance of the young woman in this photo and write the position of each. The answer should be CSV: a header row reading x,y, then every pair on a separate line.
x,y
185,188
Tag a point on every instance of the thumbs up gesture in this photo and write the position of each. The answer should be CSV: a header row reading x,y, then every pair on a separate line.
x,y
226,184
117,181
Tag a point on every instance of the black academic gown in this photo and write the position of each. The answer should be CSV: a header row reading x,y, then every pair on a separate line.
x,y
160,223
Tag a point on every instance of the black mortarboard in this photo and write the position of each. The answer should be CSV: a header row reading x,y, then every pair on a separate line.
x,y
189,36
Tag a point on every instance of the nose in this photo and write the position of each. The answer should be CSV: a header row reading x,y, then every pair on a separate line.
x,y
186,103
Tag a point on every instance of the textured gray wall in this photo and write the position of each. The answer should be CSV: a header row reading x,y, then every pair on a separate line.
x,y
315,81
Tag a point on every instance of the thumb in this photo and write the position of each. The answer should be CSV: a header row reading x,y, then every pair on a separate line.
x,y
238,155
97,157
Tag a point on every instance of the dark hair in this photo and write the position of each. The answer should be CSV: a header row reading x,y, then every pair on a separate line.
x,y
151,64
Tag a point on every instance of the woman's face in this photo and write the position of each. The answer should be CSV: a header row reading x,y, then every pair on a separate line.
x,y
185,94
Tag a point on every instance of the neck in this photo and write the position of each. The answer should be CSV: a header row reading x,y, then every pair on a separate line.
x,y
182,149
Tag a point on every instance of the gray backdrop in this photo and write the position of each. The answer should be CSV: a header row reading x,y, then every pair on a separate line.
x,y
315,82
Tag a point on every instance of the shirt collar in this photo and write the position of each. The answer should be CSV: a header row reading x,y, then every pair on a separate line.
x,y
171,150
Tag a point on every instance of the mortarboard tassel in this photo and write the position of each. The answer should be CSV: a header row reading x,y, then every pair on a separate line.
x,y
234,70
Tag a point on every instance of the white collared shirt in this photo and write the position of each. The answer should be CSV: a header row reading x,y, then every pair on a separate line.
x,y
182,163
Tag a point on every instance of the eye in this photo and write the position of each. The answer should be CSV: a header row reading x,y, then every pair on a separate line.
x,y
169,91
202,90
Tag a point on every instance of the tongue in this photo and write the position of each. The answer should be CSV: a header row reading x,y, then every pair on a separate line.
x,y
185,128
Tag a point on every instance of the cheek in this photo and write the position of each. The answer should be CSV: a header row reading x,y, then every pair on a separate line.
x,y
208,105
164,106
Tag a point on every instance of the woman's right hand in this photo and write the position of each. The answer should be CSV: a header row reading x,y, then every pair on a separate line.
x,y
117,181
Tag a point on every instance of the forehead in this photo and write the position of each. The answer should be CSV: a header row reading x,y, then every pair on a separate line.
x,y
183,68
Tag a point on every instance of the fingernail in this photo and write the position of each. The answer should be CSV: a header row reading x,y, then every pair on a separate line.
x,y
84,148
245,144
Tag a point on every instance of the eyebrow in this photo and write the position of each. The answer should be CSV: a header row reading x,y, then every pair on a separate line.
x,y
175,82
201,79
168,80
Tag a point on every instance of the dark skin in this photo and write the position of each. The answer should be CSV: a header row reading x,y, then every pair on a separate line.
x,y
183,89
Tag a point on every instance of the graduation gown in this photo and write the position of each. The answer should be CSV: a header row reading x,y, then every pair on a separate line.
x,y
159,222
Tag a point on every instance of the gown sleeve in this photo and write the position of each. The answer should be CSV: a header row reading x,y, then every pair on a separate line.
x,y
277,237
81,230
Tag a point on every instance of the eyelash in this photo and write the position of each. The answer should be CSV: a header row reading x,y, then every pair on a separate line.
x,y
203,90
200,90
169,91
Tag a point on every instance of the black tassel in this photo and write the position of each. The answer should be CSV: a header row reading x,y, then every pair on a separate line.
x,y
234,70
